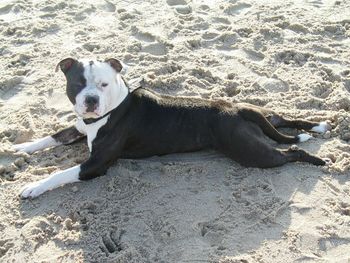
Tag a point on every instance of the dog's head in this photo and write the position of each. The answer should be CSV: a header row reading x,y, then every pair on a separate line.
x,y
92,86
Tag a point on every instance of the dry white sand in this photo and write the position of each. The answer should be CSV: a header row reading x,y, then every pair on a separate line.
x,y
291,56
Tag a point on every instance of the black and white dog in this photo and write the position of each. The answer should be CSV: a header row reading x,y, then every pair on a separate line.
x,y
123,124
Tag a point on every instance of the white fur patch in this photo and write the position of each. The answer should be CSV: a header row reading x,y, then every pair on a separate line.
x,y
55,180
322,127
30,147
304,137
91,129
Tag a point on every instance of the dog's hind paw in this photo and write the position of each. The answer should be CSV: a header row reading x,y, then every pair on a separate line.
x,y
294,147
322,127
327,161
304,137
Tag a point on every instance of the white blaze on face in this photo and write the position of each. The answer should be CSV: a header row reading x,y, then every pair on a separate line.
x,y
103,82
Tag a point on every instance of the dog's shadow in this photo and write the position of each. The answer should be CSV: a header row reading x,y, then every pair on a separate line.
x,y
175,208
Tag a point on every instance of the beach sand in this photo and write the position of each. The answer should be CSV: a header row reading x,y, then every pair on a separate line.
x,y
289,56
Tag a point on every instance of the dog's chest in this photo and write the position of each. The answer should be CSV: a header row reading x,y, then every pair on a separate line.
x,y
91,129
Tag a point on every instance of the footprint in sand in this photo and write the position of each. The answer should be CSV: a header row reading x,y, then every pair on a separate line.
x,y
347,84
9,163
238,8
149,44
253,55
9,10
156,49
322,89
10,87
325,243
209,35
292,57
176,2
273,85
221,20
5,8
91,47
315,3
145,36
110,243
180,6
5,245
108,6
37,232
6,159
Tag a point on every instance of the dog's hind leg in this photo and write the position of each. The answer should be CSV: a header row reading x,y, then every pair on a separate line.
x,y
279,157
257,153
66,136
252,151
279,122
294,154
250,114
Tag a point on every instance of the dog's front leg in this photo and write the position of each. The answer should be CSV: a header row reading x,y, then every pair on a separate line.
x,y
55,180
95,166
65,136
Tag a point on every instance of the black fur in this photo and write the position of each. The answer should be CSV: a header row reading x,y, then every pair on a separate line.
x,y
75,80
147,124
68,136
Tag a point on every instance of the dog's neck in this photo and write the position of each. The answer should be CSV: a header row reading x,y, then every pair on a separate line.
x,y
119,94
117,98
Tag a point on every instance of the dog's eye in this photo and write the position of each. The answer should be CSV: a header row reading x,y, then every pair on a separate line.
x,y
104,84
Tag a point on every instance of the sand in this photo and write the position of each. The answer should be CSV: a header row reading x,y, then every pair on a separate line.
x,y
290,56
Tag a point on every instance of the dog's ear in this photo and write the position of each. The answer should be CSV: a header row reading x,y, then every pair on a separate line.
x,y
65,64
115,63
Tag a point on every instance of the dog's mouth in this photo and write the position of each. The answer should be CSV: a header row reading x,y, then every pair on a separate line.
x,y
90,114
89,111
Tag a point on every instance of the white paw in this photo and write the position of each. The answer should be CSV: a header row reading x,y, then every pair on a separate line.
x,y
304,137
33,190
294,147
322,127
27,147
328,161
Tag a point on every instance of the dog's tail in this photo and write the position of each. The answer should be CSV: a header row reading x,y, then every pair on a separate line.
x,y
268,129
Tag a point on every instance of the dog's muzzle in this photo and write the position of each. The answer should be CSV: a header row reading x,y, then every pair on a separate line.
x,y
91,103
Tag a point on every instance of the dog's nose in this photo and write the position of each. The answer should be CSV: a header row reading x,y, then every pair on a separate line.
x,y
91,102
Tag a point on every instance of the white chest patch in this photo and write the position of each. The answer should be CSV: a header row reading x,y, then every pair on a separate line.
x,y
91,129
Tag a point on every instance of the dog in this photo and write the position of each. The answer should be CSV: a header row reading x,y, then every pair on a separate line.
x,y
119,123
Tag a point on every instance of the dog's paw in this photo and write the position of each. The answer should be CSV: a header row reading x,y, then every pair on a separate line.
x,y
27,147
294,148
327,161
322,127
304,137
33,190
